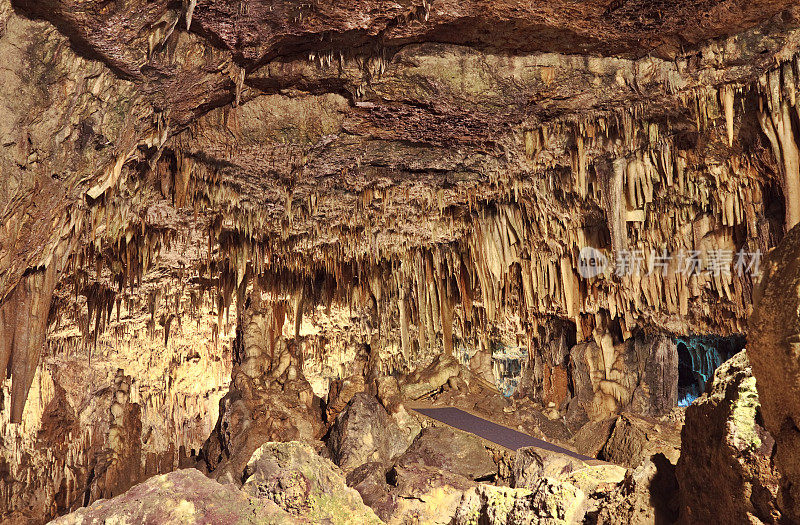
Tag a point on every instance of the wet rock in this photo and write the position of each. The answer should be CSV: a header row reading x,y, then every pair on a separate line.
x,y
364,432
181,497
726,471
299,481
449,450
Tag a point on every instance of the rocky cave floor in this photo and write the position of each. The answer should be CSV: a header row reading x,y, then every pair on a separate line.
x,y
280,455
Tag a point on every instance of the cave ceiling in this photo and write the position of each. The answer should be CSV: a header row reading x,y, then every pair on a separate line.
x,y
471,146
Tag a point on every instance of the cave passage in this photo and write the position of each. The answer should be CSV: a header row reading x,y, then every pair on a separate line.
x,y
507,367
698,358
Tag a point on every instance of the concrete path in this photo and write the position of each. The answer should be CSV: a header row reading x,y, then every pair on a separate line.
x,y
498,434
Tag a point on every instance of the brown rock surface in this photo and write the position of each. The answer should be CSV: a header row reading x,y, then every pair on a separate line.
x,y
727,454
648,494
269,399
302,483
183,496
449,450
635,439
285,203
772,351
365,433
639,374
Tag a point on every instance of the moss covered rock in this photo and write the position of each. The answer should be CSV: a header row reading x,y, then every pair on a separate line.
x,y
179,498
293,476
726,471
551,502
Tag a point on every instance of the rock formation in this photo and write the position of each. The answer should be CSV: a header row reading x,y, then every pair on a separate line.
x,y
231,224
773,342
727,454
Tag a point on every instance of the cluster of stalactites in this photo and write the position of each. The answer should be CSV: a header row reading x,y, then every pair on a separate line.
x,y
520,255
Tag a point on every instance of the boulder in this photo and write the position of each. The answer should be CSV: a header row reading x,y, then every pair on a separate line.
x,y
412,493
370,480
552,502
590,439
293,476
773,343
635,438
426,494
595,480
180,497
532,463
430,379
726,471
447,449
647,494
364,432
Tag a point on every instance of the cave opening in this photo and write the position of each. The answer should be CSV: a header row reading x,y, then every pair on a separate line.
x,y
698,358
507,367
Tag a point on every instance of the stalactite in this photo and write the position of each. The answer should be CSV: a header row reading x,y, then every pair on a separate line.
x,y
189,6
31,304
776,122
726,96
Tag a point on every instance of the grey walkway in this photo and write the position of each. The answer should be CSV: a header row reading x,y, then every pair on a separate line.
x,y
503,436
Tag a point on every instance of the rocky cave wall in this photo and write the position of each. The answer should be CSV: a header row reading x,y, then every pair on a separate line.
x,y
384,184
